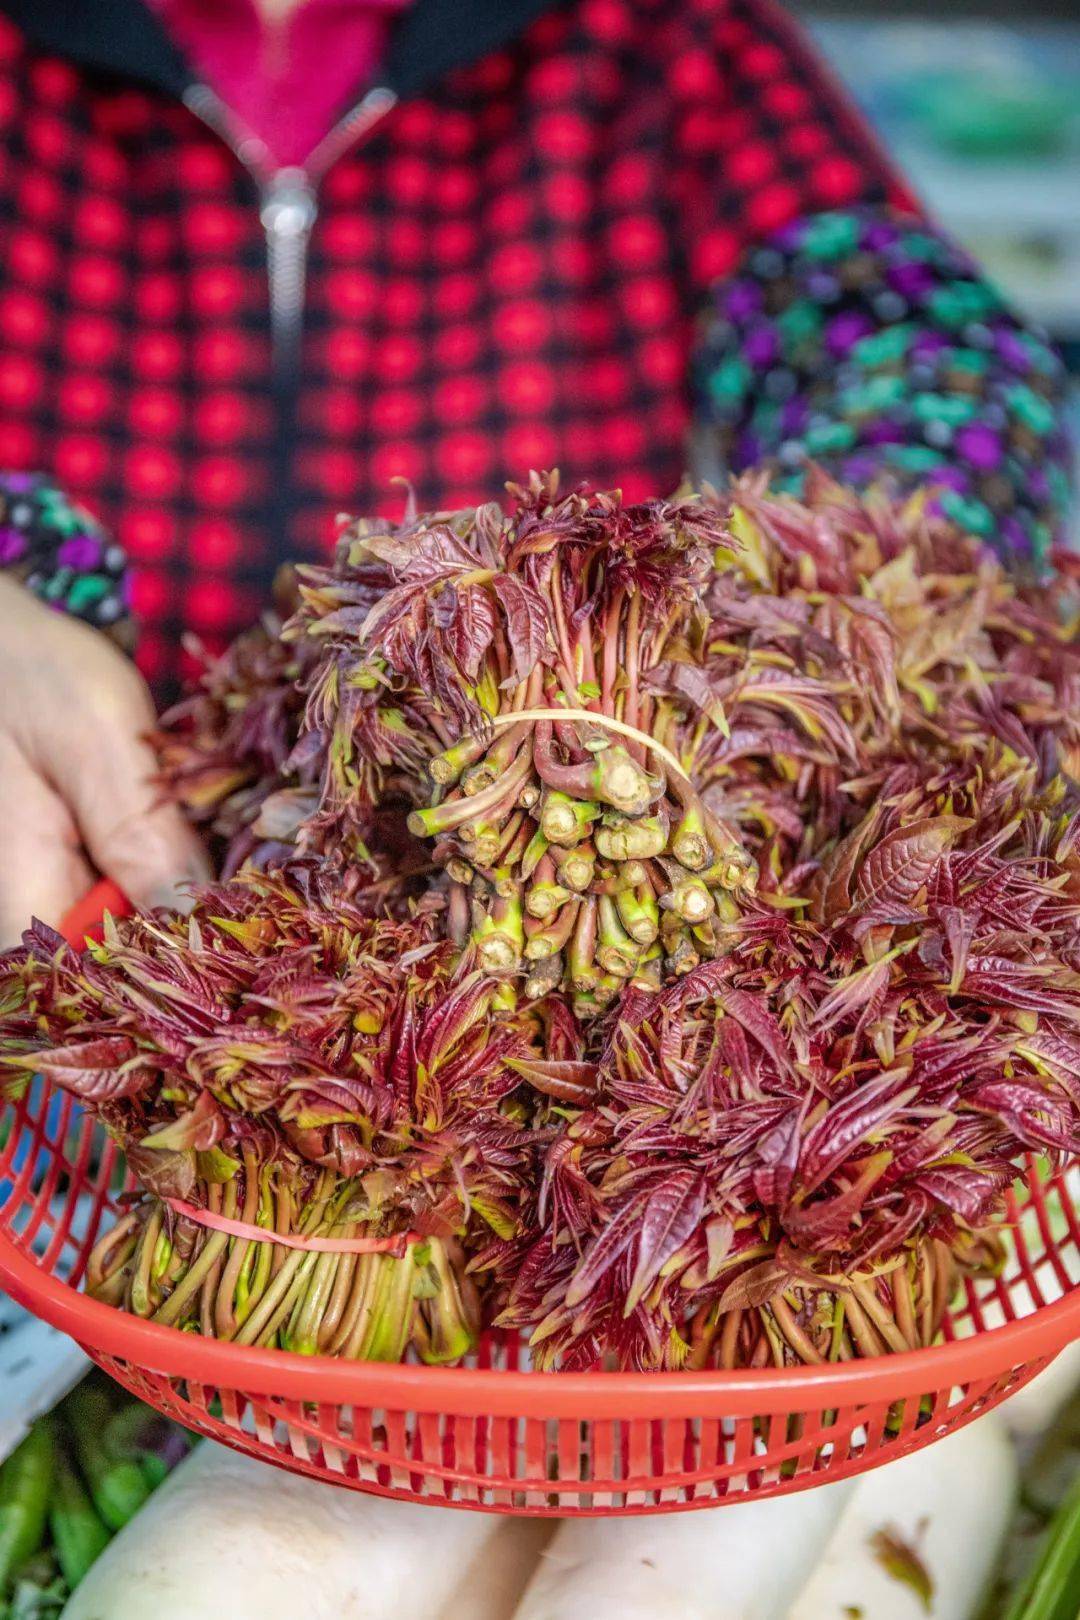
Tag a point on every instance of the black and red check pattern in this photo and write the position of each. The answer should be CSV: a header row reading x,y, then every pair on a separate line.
x,y
505,274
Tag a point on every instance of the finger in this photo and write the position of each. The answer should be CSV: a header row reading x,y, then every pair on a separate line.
x,y
144,846
42,869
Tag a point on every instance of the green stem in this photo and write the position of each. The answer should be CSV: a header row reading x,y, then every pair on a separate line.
x,y
611,775
735,867
690,843
452,813
446,768
649,973
446,1329
1052,1590
544,896
689,897
638,913
553,935
544,977
582,956
608,987
265,1312
498,759
305,1323
681,955
543,900
386,1309
336,1305
106,1270
271,1335
617,951
617,839
483,839
577,866
182,1295
141,1295
564,820
515,842
258,1266
535,851
623,875
499,936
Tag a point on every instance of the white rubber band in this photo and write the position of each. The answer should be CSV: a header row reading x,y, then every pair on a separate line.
x,y
604,721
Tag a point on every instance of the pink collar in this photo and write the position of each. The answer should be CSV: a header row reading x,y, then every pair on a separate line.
x,y
288,82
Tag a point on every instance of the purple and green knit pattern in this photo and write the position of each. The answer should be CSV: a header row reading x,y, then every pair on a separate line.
x,y
60,553
871,345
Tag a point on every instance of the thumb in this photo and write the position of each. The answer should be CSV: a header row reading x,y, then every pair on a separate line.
x,y
143,845
43,871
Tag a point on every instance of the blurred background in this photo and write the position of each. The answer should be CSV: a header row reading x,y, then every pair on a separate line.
x,y
980,102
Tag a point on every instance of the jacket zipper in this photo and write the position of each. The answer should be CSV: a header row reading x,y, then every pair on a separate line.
x,y
288,203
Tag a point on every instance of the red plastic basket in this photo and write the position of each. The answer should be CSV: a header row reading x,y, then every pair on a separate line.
x,y
494,1434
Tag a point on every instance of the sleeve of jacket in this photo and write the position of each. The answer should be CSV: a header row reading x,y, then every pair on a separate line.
x,y
62,555
840,324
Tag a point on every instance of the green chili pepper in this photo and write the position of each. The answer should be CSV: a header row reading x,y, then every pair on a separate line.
x,y
128,1435
116,1483
25,1481
79,1537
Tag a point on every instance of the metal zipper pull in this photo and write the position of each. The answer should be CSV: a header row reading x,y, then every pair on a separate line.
x,y
288,207
288,212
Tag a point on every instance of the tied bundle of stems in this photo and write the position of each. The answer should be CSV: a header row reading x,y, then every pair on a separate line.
x,y
278,1059
577,866
504,680
370,1306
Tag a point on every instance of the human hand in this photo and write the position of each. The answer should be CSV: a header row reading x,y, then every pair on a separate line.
x,y
76,796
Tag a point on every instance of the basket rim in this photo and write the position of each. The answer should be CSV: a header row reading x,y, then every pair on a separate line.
x,y
495,1392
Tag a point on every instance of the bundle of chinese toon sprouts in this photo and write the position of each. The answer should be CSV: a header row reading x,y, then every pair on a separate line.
x,y
281,1060
747,832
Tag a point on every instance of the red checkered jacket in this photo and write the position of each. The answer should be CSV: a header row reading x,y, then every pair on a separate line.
x,y
507,255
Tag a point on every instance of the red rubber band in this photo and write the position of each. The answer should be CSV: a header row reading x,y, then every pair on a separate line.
x,y
314,1245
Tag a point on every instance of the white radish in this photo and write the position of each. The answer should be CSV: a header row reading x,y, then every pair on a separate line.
x,y
745,1561
948,1505
229,1536
500,1569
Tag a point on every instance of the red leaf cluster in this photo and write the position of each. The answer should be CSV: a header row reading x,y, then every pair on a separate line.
x,y
281,1018
809,1098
